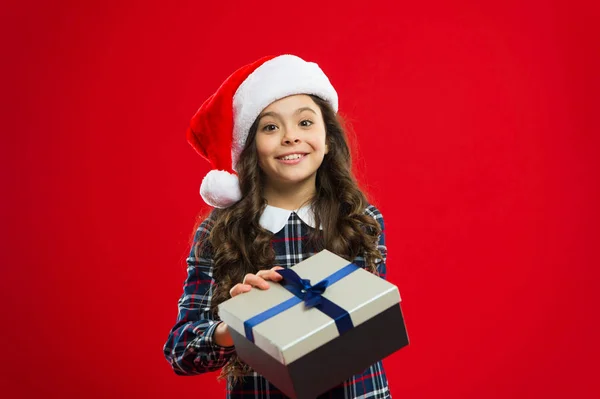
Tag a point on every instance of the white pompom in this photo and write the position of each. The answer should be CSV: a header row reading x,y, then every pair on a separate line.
x,y
220,189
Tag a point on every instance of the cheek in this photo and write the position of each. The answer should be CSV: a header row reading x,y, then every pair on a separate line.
x,y
321,142
263,150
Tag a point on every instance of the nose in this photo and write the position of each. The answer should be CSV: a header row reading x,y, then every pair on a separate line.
x,y
290,137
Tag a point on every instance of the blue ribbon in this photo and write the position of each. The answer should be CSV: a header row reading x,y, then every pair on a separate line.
x,y
311,295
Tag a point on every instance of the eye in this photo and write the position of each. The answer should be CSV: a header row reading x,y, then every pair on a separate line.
x,y
306,123
269,127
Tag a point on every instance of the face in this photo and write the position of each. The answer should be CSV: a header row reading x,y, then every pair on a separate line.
x,y
290,141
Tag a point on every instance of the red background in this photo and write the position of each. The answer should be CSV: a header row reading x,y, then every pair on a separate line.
x,y
477,131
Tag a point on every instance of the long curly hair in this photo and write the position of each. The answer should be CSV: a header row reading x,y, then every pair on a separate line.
x,y
239,245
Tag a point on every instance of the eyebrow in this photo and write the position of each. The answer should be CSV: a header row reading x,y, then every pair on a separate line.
x,y
275,114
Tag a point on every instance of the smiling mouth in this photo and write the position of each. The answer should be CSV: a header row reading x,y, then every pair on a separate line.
x,y
291,157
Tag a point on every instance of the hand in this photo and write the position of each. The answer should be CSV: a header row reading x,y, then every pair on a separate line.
x,y
258,280
222,336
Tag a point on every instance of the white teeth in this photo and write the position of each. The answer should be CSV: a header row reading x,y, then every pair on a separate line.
x,y
292,156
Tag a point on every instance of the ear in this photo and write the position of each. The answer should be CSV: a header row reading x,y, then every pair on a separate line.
x,y
326,148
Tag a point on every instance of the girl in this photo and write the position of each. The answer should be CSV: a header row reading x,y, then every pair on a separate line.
x,y
283,190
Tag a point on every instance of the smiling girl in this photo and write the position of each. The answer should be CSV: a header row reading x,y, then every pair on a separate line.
x,y
282,190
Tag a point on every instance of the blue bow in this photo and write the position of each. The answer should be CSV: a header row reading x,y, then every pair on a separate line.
x,y
302,288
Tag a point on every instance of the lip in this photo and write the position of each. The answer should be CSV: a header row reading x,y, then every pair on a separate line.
x,y
291,161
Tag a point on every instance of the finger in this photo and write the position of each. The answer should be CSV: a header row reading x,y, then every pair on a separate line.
x,y
269,275
256,281
242,288
279,276
239,289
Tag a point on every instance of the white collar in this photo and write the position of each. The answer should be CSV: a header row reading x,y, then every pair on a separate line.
x,y
274,219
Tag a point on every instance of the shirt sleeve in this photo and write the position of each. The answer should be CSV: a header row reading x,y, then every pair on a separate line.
x,y
381,265
190,347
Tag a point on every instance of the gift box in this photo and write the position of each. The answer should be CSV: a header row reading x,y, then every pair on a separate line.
x,y
307,338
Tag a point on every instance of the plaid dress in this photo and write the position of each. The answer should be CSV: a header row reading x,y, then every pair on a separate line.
x,y
191,350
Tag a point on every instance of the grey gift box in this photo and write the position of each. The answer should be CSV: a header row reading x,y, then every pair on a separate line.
x,y
300,350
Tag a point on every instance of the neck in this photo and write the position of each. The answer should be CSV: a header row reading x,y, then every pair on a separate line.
x,y
289,196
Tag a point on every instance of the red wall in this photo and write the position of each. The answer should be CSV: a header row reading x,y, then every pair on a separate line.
x,y
477,127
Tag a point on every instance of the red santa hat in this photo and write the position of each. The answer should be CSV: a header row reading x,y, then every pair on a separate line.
x,y
219,129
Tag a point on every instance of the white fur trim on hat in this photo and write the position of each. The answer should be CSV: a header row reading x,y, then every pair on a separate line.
x,y
275,79
220,189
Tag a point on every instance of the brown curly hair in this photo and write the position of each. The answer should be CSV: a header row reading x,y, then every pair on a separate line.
x,y
239,245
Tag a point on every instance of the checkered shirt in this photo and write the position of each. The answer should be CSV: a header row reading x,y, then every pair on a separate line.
x,y
191,349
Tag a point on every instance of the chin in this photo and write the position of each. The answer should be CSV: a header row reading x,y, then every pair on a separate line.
x,y
293,179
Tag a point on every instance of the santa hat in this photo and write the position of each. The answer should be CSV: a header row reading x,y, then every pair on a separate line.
x,y
219,129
